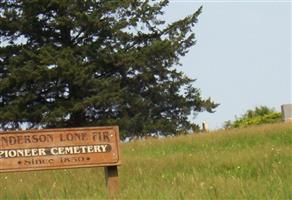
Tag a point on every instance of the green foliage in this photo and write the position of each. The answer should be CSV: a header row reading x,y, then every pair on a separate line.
x,y
249,163
260,115
86,63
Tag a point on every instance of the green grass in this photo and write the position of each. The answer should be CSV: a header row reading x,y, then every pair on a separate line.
x,y
249,163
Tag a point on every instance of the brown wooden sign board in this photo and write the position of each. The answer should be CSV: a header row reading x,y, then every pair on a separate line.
x,y
60,148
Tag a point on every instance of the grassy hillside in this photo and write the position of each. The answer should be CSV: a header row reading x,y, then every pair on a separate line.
x,y
250,163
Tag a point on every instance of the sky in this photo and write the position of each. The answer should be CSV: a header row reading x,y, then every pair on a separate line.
x,y
242,58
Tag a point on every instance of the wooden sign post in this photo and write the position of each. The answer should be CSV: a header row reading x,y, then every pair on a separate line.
x,y
61,149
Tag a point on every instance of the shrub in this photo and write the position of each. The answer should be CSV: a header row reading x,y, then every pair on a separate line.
x,y
260,115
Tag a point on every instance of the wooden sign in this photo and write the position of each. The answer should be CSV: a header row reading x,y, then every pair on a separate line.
x,y
61,148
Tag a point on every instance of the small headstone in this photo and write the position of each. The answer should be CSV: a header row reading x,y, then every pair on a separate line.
x,y
205,126
287,112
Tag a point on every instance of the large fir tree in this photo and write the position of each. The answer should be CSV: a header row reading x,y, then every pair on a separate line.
x,y
70,63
